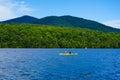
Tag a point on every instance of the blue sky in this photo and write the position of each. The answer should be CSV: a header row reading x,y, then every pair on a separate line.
x,y
104,11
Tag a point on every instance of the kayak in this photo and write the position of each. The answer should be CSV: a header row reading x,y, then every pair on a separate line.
x,y
65,54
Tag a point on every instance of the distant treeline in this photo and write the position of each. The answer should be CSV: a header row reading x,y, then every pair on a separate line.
x,y
43,36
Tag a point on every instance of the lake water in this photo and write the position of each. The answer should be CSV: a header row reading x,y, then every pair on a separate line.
x,y
47,64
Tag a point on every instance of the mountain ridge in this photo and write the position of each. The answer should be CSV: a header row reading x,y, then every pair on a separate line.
x,y
22,19
66,20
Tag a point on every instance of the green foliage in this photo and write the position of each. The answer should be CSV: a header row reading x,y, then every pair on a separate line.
x,y
66,21
43,36
71,21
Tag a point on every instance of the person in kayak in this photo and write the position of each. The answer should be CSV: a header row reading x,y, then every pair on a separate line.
x,y
68,52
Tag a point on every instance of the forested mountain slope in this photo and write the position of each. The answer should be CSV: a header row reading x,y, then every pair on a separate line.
x,y
44,36
66,21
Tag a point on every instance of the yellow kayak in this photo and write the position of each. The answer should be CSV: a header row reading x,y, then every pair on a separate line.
x,y
65,54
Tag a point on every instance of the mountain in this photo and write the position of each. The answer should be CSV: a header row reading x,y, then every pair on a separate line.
x,y
76,22
23,19
67,21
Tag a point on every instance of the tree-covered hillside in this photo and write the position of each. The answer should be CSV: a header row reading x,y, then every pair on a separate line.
x,y
71,21
66,21
43,36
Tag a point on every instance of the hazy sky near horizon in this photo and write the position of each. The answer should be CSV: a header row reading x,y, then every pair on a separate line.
x,y
104,11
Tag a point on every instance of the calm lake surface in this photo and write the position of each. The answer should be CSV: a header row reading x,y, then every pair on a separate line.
x,y
47,64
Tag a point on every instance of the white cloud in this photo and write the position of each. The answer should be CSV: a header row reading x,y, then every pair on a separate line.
x,y
113,23
12,8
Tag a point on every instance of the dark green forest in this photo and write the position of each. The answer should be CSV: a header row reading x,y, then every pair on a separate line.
x,y
67,21
43,36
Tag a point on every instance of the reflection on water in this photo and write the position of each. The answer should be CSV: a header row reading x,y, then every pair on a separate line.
x,y
46,64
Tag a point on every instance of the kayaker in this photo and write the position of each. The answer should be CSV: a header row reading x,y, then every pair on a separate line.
x,y
69,52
